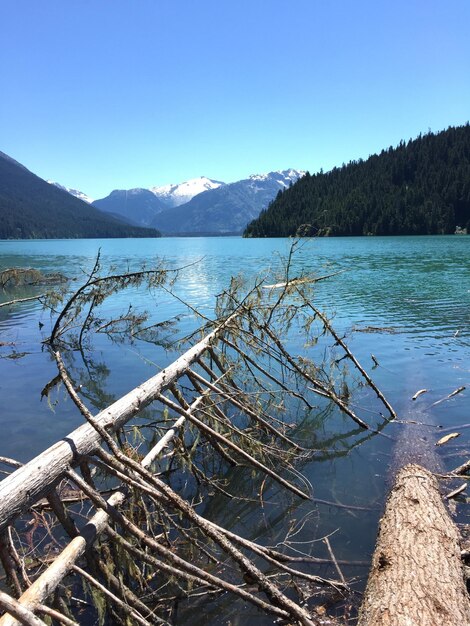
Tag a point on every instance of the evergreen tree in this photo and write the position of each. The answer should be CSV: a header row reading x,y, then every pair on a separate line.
x,y
421,187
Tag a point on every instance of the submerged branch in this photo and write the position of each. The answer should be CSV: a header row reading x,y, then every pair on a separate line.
x,y
230,400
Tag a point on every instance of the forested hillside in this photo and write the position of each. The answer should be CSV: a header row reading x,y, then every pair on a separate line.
x,y
418,188
30,208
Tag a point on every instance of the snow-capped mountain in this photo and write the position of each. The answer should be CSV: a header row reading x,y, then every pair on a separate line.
x,y
227,209
283,178
74,192
200,205
140,206
175,195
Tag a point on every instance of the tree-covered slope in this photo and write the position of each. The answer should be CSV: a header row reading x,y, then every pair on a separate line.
x,y
31,208
418,188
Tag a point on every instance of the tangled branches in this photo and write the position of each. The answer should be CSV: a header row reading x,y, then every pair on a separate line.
x,y
145,471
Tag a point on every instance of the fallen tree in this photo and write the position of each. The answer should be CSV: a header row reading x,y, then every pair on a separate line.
x,y
221,404
228,402
417,576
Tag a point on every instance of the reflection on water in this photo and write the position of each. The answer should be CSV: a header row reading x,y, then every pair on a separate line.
x,y
404,300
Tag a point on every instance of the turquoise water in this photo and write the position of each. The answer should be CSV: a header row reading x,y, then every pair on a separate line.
x,y
406,300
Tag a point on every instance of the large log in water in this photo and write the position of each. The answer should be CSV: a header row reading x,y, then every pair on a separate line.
x,y
417,576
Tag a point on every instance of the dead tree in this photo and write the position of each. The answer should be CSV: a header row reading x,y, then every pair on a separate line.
x,y
222,403
417,576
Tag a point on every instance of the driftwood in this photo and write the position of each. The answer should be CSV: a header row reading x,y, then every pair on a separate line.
x,y
46,584
224,403
30,482
20,300
417,576
34,480
23,615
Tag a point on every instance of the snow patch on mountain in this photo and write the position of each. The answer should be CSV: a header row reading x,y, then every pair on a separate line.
x,y
228,208
73,192
177,194
282,177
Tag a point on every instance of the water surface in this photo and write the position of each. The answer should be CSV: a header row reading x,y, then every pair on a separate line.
x,y
403,299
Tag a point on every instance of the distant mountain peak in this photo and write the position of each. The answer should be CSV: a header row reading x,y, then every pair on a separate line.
x,y
135,191
197,205
73,192
282,176
177,194
138,206
227,208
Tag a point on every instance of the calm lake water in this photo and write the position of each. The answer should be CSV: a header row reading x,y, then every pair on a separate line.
x,y
414,292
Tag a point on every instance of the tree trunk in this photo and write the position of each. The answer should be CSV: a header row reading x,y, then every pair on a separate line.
x,y
417,576
26,485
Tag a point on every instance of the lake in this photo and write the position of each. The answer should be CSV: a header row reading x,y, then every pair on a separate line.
x,y
406,300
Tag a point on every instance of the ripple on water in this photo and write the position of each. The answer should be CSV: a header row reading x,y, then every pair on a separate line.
x,y
412,290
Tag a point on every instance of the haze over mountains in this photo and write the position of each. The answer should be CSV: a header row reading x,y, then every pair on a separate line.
x,y
227,209
200,206
140,206
418,187
135,206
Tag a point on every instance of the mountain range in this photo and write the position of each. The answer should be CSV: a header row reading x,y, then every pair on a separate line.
x,y
175,195
30,208
198,206
419,187
140,206
226,209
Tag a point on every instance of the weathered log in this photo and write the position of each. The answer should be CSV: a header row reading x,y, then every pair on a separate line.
x,y
19,300
23,615
32,481
417,577
46,584
52,577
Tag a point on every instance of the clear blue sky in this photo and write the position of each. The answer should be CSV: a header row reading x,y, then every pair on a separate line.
x,y
104,94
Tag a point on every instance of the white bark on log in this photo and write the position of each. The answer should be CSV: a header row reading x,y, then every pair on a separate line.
x,y
14,607
46,584
19,300
26,485
417,576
